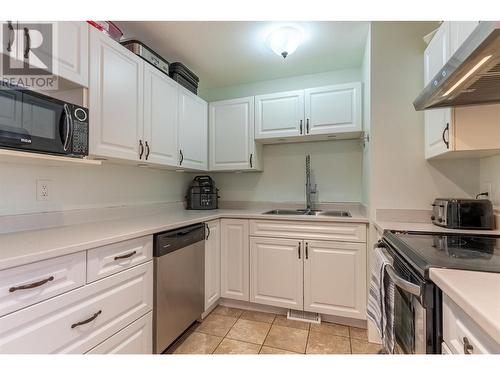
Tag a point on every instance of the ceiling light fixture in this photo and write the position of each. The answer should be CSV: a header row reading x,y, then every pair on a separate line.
x,y
284,40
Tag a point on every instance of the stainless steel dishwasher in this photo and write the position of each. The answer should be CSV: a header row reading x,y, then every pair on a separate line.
x,y
179,259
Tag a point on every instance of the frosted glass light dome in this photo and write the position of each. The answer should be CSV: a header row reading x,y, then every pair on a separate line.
x,y
284,41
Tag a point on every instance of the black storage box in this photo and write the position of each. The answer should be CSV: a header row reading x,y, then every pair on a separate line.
x,y
185,77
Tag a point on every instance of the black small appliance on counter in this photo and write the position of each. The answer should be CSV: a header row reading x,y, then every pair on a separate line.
x,y
202,194
463,213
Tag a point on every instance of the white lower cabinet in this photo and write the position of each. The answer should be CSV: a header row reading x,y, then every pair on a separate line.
x,y
335,278
462,335
234,259
136,338
303,273
77,321
276,272
212,264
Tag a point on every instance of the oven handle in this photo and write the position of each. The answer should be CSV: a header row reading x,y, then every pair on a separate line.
x,y
405,285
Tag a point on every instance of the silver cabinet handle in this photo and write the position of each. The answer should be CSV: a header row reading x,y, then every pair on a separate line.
x,y
32,285
147,150
446,129
468,348
125,256
405,285
27,43
10,42
86,321
141,149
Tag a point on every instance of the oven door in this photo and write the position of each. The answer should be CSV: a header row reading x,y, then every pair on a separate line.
x,y
409,323
409,314
30,122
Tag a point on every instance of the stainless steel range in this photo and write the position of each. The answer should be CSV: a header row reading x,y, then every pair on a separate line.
x,y
417,301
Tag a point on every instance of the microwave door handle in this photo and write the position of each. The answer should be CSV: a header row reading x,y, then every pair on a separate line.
x,y
69,127
405,285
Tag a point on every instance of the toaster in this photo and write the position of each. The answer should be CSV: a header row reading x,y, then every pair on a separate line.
x,y
463,213
202,194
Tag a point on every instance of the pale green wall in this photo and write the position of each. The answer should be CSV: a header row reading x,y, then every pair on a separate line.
x,y
283,84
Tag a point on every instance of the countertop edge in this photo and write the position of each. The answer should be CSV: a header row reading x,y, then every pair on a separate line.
x,y
58,251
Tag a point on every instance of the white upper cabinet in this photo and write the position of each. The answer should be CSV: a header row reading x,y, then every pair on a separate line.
x,y
231,138
68,52
459,32
312,114
438,125
160,117
279,114
333,109
72,52
115,100
193,115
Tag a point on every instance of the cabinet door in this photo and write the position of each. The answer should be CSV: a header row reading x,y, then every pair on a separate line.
x,y
438,125
234,259
160,117
459,32
192,131
335,278
72,52
333,109
231,134
115,99
136,338
276,272
279,114
212,264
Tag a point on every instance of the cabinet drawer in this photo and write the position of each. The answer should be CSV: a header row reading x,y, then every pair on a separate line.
x,y
457,325
350,232
136,338
107,260
29,284
77,321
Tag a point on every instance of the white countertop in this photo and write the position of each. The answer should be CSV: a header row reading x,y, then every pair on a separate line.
x,y
427,227
477,293
34,245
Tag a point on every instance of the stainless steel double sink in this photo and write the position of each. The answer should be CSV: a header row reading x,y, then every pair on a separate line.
x,y
307,212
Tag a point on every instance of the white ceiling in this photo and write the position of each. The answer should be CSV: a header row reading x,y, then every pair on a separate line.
x,y
231,53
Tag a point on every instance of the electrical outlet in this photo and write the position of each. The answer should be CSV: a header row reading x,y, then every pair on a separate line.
x,y
43,188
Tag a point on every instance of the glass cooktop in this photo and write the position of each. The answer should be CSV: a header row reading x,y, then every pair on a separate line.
x,y
467,252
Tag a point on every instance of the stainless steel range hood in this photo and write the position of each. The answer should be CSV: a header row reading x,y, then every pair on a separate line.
x,y
471,76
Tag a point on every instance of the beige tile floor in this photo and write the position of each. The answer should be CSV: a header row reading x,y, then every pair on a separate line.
x,y
235,331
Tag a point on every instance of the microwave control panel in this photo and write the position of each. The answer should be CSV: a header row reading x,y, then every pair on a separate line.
x,y
80,131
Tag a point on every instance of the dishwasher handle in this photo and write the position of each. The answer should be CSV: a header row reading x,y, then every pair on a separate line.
x,y
170,241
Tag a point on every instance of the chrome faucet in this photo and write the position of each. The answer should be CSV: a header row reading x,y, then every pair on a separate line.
x,y
309,189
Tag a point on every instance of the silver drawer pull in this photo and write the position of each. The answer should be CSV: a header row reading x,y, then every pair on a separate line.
x,y
32,285
468,348
125,256
86,321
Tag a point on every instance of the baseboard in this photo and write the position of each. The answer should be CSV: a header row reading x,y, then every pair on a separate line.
x,y
360,323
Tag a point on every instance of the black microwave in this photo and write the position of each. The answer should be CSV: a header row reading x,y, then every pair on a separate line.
x,y
34,122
